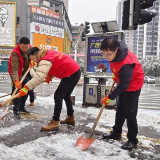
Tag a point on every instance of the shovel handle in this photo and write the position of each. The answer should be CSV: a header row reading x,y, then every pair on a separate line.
x,y
100,112
15,91
10,99
5,95
24,76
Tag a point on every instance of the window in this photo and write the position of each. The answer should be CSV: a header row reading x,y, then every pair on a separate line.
x,y
75,34
155,38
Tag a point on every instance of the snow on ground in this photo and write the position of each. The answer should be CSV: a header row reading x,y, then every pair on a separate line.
x,y
62,146
13,129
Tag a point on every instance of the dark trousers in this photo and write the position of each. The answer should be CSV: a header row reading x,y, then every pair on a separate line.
x,y
64,91
31,95
127,109
19,103
31,92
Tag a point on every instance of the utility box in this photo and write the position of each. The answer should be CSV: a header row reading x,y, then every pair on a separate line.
x,y
104,91
91,94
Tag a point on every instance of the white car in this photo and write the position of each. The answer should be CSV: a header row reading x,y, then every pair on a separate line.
x,y
149,80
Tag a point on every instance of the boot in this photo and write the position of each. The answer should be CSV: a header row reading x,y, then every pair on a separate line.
x,y
24,111
53,125
129,145
32,104
16,115
112,135
69,120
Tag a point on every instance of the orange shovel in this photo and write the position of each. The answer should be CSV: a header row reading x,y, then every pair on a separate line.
x,y
87,139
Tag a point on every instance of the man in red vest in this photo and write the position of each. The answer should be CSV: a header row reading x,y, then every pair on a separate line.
x,y
129,76
17,66
55,64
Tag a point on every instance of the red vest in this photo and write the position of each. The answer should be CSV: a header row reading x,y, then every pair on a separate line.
x,y
137,79
21,61
62,65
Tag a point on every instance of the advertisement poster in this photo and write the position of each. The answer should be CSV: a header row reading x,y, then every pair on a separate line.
x,y
7,23
96,62
48,42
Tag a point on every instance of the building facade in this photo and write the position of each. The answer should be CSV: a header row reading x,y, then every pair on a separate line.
x,y
76,34
45,22
146,40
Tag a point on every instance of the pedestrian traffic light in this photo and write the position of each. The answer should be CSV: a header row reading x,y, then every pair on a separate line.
x,y
125,18
142,16
87,27
83,36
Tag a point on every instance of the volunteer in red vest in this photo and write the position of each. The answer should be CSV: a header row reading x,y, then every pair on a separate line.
x,y
17,65
55,64
129,76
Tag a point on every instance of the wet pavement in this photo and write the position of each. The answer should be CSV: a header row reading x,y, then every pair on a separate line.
x,y
40,117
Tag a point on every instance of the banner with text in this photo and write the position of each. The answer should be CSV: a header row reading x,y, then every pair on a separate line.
x,y
46,30
7,24
42,19
45,12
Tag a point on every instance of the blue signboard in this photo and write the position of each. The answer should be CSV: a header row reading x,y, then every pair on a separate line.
x,y
90,91
96,62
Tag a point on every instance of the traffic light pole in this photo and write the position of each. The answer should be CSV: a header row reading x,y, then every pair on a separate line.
x,y
131,24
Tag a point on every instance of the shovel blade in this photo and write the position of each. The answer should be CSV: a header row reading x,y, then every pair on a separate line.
x,y
84,142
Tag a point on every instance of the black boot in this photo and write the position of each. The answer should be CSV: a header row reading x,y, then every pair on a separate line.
x,y
24,111
112,135
16,115
129,145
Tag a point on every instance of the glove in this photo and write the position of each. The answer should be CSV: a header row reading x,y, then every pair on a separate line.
x,y
113,77
23,91
18,84
106,100
48,78
32,64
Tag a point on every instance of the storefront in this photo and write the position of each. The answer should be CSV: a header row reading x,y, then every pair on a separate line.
x,y
46,30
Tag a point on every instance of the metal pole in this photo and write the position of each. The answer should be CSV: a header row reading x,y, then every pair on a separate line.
x,y
131,25
75,53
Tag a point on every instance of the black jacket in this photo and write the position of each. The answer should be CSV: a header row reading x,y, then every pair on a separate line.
x,y
125,73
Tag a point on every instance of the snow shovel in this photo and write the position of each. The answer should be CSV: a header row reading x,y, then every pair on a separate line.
x,y
4,113
5,95
87,139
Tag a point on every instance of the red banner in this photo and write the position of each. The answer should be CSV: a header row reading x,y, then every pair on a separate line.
x,y
44,12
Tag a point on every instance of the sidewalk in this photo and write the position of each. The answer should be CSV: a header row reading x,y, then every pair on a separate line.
x,y
22,139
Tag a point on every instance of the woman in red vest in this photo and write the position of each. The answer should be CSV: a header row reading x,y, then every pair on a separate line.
x,y
55,64
129,76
